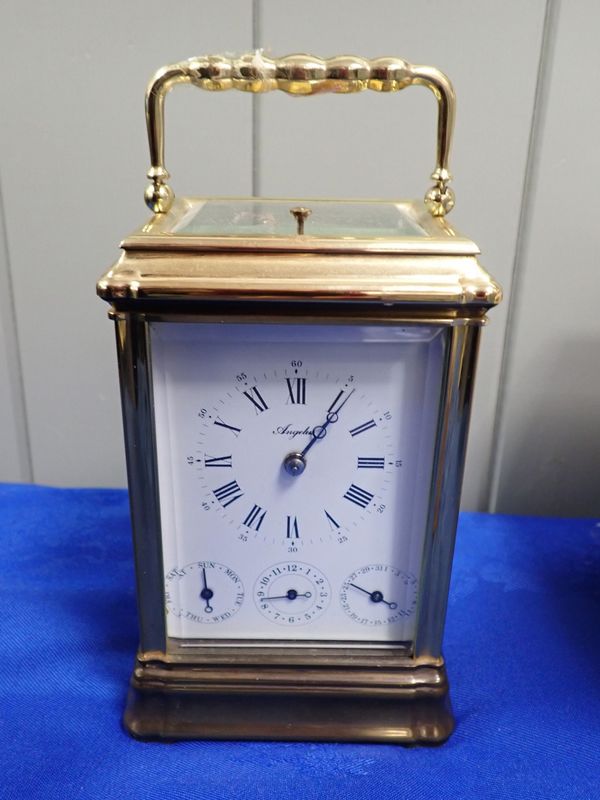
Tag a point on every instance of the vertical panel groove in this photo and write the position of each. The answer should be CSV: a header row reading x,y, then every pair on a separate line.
x,y
15,371
530,179
256,102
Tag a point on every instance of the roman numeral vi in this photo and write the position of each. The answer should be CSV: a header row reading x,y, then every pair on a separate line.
x,y
292,528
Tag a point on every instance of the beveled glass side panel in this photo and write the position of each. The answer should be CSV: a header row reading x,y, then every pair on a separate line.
x,y
258,217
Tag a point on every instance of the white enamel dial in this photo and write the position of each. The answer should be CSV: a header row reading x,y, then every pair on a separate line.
x,y
301,445
272,439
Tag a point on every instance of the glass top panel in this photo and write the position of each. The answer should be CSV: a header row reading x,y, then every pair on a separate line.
x,y
257,217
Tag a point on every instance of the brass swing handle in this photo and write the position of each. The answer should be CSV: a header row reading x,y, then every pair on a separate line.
x,y
298,75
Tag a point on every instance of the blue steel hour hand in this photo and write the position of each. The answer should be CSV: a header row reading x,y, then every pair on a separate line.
x,y
291,594
295,463
206,594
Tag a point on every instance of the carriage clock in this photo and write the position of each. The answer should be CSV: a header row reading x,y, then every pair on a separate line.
x,y
296,380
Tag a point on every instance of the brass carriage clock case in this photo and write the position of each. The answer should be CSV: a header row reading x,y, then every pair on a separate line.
x,y
382,266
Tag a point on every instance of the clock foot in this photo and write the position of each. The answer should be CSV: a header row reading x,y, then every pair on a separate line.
x,y
199,715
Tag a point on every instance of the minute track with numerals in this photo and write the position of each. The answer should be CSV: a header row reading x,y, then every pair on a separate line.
x,y
276,438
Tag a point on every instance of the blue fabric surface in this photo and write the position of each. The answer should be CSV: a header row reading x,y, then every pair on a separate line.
x,y
522,646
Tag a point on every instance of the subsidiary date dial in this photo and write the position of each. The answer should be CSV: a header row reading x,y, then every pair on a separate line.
x,y
290,456
379,594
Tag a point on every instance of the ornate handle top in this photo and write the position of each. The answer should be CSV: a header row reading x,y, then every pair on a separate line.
x,y
298,75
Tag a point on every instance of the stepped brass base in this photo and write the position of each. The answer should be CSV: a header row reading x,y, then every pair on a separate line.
x,y
154,715
185,703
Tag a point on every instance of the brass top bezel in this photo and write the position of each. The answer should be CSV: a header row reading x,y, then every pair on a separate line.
x,y
439,269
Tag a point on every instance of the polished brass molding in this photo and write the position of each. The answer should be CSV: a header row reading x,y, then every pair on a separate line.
x,y
407,682
300,313
299,75
249,276
288,654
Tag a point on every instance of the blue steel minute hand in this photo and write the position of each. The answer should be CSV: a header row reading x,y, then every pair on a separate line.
x,y
320,431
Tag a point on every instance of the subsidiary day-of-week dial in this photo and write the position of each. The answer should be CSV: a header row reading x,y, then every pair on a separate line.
x,y
292,593
379,594
290,456
205,592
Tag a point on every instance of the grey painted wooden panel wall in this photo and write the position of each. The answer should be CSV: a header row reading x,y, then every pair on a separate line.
x,y
14,449
549,433
73,165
